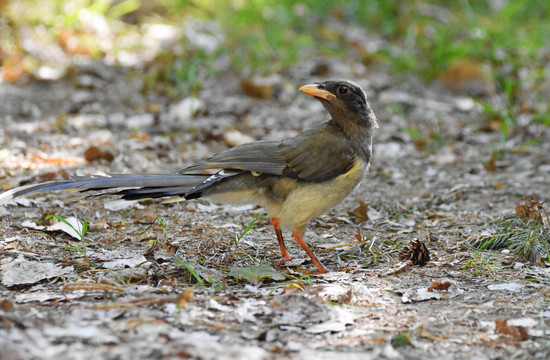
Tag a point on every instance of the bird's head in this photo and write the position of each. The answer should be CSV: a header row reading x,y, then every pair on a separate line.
x,y
344,100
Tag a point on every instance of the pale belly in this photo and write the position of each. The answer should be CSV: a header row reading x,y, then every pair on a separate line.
x,y
293,202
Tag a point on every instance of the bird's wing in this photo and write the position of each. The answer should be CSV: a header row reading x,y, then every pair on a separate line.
x,y
262,156
317,155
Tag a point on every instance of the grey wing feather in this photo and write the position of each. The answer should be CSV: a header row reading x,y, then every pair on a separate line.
x,y
319,156
316,155
263,156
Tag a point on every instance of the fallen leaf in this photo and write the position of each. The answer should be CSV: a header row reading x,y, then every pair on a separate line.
x,y
440,285
334,293
418,295
491,165
125,263
465,75
505,286
260,86
53,175
24,272
94,153
6,305
321,69
255,273
12,70
185,110
70,42
360,213
531,209
76,224
185,297
122,204
11,246
525,322
153,108
517,332
32,225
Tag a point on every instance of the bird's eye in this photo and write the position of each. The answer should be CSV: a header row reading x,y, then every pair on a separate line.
x,y
343,90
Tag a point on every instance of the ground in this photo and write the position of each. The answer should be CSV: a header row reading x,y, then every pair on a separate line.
x,y
432,179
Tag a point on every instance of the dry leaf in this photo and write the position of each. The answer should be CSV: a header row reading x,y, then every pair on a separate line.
x,y
360,213
94,153
440,285
462,70
25,272
465,75
321,69
358,235
74,227
12,70
6,305
517,332
185,297
531,209
260,86
53,175
11,246
153,108
69,42
491,165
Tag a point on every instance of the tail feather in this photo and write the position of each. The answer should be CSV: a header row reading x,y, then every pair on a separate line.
x,y
134,187
153,193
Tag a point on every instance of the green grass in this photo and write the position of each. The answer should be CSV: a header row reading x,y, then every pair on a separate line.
x,y
480,263
508,45
191,270
251,225
423,36
164,224
80,231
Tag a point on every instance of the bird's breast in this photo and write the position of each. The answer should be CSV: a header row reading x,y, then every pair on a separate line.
x,y
308,200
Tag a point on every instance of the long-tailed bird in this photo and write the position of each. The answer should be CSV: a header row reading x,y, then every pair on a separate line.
x,y
295,179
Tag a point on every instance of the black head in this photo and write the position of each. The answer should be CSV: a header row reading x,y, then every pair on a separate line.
x,y
344,100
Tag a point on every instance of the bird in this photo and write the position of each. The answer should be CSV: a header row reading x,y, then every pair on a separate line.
x,y
295,179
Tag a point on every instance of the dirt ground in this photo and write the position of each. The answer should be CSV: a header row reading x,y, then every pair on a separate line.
x,y
129,298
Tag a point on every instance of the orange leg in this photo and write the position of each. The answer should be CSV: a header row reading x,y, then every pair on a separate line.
x,y
284,252
303,245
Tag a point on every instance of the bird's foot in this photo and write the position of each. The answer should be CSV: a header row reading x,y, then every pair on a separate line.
x,y
320,270
314,272
287,258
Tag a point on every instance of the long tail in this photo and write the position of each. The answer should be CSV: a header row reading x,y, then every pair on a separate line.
x,y
130,187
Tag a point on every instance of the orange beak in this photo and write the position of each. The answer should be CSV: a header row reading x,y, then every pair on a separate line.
x,y
314,90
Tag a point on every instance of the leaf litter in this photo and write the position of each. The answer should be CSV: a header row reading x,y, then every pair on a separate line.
x,y
130,296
